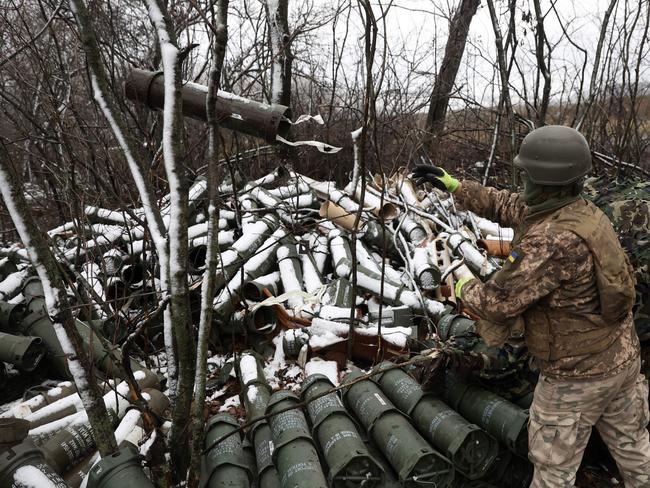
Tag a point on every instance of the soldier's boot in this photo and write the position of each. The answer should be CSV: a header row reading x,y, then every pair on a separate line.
x,y
563,413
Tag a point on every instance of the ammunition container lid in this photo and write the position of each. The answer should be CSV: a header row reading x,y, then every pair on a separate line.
x,y
310,380
13,431
324,406
221,418
120,468
281,396
21,454
444,325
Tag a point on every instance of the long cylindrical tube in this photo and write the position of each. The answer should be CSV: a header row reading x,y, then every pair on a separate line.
x,y
413,459
23,352
255,394
225,462
470,450
504,420
233,112
349,462
295,454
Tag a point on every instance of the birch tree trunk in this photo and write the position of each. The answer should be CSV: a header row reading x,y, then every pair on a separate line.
x,y
209,275
58,308
177,236
101,93
277,12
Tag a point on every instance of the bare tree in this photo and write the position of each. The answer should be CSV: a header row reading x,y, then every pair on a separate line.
x,y
218,53
442,90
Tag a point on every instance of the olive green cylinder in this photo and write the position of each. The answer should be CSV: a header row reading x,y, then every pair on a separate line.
x,y
470,449
349,462
107,357
23,352
502,419
295,455
10,315
26,455
122,469
255,395
225,461
69,447
267,475
413,459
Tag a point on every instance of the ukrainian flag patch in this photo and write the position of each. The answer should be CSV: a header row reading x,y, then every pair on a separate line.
x,y
514,256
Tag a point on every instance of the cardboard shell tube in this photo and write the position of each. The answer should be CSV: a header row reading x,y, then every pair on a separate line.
x,y
339,216
496,247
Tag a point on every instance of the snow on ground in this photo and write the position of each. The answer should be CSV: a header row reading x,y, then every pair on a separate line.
x,y
327,368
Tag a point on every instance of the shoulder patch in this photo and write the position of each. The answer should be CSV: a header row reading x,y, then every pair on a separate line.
x,y
515,256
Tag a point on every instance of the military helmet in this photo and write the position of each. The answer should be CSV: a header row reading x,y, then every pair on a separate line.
x,y
554,155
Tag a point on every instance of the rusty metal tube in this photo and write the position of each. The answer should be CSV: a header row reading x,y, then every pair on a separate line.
x,y
233,112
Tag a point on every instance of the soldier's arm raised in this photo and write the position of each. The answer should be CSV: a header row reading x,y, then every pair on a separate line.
x,y
538,265
506,208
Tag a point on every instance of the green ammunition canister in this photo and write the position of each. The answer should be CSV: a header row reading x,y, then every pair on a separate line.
x,y
255,395
413,459
349,462
121,469
22,464
295,455
225,462
471,450
504,420
69,447
10,315
23,352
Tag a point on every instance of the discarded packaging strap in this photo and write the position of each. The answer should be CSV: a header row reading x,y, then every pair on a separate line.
x,y
286,320
321,146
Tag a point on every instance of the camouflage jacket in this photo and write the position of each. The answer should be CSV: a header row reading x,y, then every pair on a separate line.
x,y
550,274
627,204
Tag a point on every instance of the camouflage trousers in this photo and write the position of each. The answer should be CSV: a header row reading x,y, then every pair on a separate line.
x,y
563,413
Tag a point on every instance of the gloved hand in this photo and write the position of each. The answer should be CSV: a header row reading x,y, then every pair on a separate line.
x,y
438,177
459,285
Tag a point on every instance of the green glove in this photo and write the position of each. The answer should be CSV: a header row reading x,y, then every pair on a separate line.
x,y
459,285
438,177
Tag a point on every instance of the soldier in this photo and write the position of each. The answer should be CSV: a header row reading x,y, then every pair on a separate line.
x,y
568,287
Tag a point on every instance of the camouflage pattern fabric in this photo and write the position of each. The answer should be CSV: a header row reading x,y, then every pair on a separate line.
x,y
627,204
534,284
562,416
